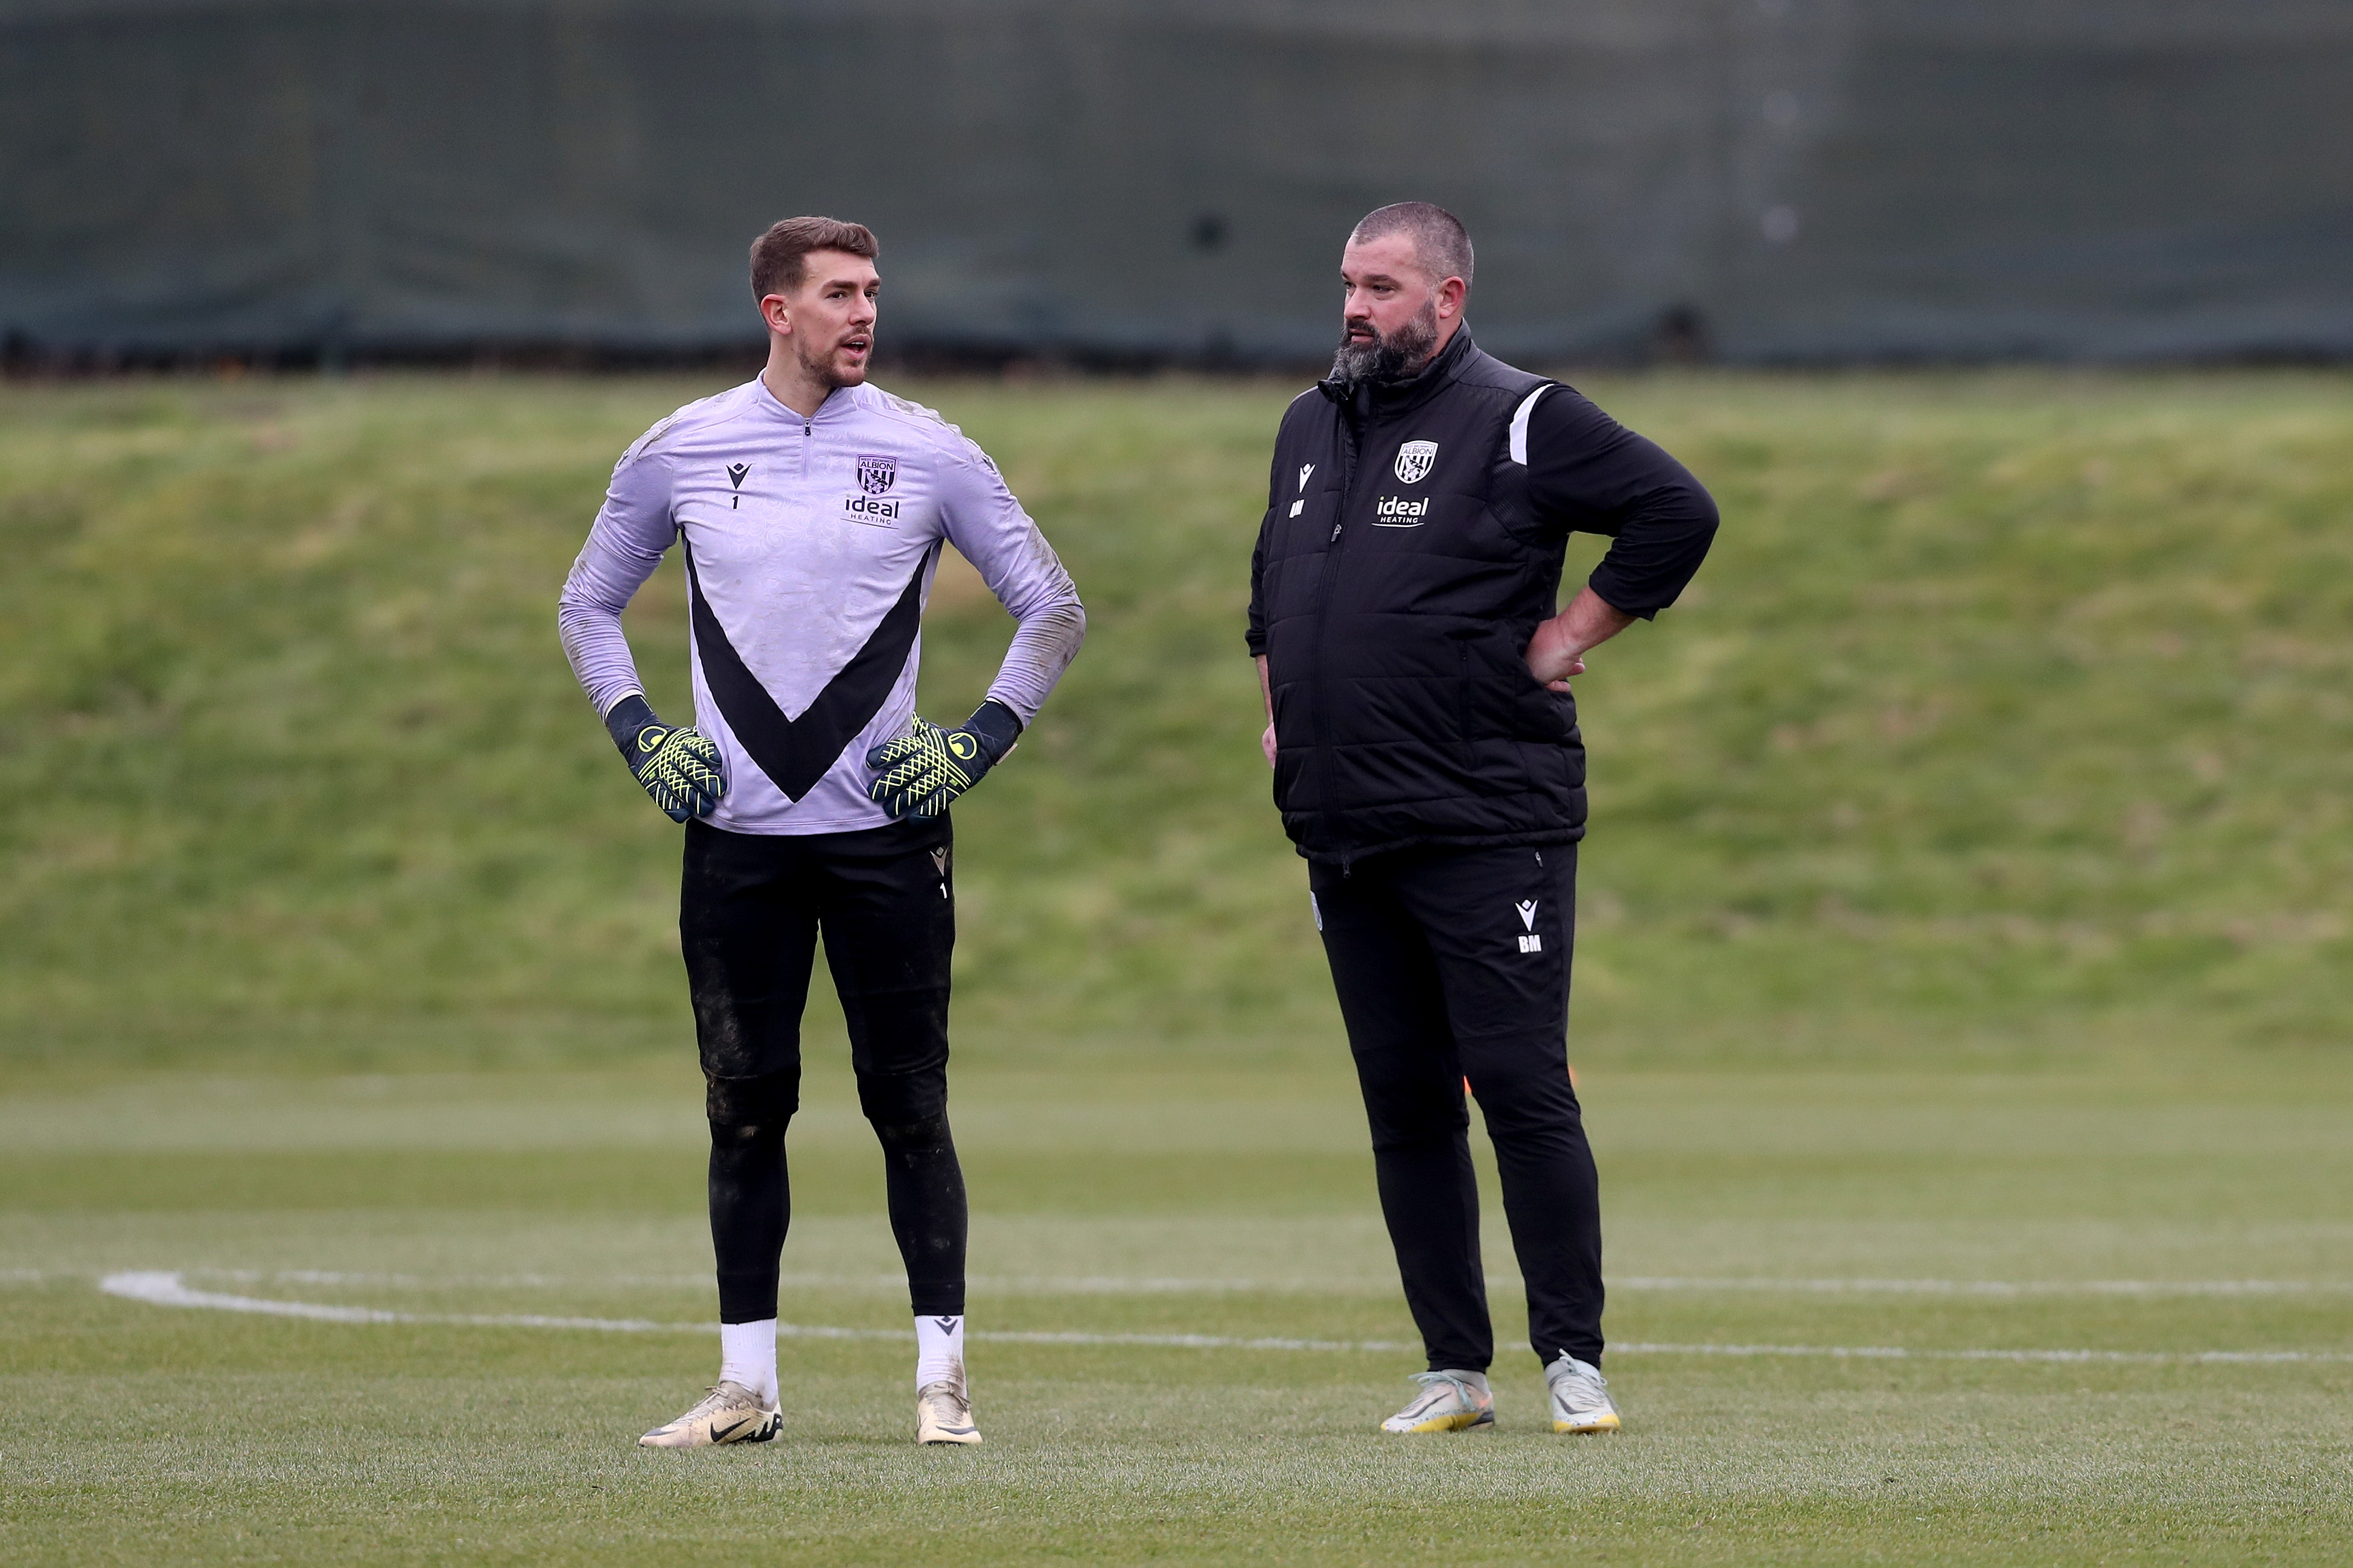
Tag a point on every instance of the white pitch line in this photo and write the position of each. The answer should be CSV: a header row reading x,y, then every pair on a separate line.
x,y
167,1288
1054,1285
1992,1287
1202,1341
1123,1285
1902,1353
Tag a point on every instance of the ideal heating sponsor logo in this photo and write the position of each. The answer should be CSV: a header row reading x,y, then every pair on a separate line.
x,y
872,509
1396,511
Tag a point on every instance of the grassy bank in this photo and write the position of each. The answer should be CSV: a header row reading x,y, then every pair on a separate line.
x,y
2007,723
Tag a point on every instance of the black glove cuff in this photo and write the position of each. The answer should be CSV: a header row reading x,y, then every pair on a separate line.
x,y
997,728
630,715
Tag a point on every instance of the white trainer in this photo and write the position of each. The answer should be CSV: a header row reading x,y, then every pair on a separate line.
x,y
1580,1397
944,1414
730,1413
1448,1402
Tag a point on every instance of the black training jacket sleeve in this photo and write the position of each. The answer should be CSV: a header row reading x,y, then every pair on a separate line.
x,y
1589,473
1256,635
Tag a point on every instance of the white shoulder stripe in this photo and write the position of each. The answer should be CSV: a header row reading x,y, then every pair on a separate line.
x,y
1520,425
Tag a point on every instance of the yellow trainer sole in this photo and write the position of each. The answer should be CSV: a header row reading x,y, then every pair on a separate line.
x,y
1460,1421
1587,1428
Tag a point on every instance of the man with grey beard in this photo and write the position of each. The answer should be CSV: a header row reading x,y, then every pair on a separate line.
x,y
1427,765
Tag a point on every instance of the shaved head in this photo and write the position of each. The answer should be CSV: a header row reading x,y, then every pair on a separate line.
x,y
1442,246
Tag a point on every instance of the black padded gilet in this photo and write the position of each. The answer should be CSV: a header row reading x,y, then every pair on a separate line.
x,y
1393,598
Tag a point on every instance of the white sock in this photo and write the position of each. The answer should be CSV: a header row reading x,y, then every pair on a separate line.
x,y
747,1354
939,1350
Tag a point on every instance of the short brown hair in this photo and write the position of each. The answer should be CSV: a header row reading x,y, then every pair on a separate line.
x,y
780,256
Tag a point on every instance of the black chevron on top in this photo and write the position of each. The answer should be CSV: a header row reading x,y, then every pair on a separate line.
x,y
796,752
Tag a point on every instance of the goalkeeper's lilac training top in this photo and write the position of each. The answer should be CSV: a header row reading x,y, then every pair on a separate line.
x,y
810,549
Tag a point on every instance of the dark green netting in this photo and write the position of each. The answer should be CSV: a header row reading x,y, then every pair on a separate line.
x,y
1761,178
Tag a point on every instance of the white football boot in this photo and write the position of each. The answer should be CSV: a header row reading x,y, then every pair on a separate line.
x,y
1448,1402
1580,1397
944,1414
730,1413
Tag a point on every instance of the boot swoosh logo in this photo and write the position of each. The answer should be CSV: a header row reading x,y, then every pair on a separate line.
x,y
721,1434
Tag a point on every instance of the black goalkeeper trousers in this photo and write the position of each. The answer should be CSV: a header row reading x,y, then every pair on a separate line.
x,y
1454,963
751,908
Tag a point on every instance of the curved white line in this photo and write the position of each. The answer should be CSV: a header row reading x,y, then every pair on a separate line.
x,y
1128,1285
167,1288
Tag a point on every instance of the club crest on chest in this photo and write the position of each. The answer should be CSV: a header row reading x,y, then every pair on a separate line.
x,y
876,475
1413,461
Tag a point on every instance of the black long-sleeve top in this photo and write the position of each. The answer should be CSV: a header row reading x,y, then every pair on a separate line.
x,y
1589,474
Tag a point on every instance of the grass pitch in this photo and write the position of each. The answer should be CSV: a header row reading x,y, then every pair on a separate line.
x,y
1962,1004
2054,1254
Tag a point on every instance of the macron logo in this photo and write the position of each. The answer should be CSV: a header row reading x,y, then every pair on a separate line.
x,y
1529,941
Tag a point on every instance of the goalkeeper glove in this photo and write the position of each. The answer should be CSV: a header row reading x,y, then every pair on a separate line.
x,y
679,768
918,774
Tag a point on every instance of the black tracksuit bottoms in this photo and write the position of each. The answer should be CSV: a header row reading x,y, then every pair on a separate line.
x,y
1454,963
749,909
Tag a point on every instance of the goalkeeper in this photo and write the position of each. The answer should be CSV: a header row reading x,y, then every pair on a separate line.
x,y
811,509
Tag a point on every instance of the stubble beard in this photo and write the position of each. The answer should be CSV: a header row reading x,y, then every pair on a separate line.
x,y
1391,358
828,371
